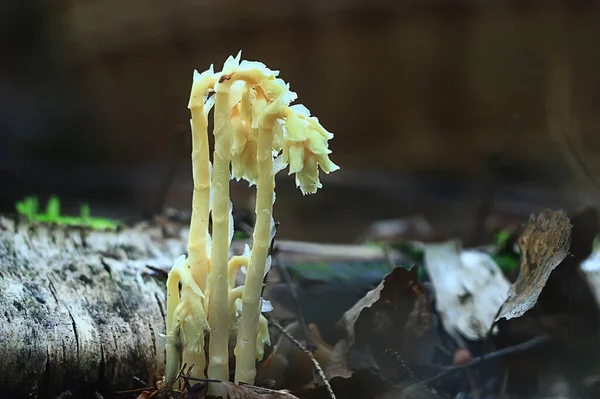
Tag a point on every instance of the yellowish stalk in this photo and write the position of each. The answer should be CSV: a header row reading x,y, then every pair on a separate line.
x,y
172,343
245,349
186,322
218,304
198,360
197,257
236,263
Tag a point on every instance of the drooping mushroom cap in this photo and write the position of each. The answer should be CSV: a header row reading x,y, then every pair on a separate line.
x,y
244,139
248,100
200,87
257,98
252,73
306,148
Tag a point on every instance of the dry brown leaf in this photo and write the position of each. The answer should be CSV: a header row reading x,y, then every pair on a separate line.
x,y
349,318
544,243
338,366
394,318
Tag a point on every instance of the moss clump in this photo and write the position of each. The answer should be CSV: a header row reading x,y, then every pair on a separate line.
x,y
29,207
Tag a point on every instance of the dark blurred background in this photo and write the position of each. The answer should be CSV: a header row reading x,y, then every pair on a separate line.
x,y
437,106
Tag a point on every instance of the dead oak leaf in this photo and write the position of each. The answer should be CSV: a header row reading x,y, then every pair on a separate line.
x,y
395,316
544,243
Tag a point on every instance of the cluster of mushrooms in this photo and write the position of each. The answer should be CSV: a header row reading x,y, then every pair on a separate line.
x,y
257,134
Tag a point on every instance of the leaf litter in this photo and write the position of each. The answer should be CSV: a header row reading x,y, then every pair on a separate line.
x,y
424,330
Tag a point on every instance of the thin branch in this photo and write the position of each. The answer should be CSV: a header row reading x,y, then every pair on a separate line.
x,y
527,345
410,372
187,377
308,353
285,274
290,283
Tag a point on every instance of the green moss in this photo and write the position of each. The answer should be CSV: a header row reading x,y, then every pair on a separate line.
x,y
29,207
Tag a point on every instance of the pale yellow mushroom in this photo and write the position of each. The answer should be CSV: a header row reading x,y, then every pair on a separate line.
x,y
218,309
228,93
253,123
186,321
198,263
305,146
197,241
245,349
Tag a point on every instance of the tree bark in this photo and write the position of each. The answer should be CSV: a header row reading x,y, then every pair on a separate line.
x,y
79,309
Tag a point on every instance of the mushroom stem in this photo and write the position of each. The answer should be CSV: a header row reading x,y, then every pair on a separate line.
x,y
197,360
245,349
172,344
218,286
197,256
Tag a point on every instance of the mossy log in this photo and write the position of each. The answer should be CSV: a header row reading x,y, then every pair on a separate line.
x,y
80,310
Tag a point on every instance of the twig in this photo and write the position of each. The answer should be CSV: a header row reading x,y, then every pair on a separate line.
x,y
171,383
410,372
190,378
532,343
301,319
504,387
308,353
472,382
290,283
285,274
127,391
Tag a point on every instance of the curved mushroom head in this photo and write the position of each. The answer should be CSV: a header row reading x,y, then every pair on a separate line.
x,y
306,148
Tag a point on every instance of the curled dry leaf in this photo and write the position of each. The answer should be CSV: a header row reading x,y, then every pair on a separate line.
x,y
286,365
289,366
544,243
338,362
394,318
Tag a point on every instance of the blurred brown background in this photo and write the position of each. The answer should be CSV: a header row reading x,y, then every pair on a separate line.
x,y
420,95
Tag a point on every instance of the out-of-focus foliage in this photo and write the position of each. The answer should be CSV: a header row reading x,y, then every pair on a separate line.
x,y
29,207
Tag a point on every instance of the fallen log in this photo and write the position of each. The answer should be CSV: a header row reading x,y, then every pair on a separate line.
x,y
80,310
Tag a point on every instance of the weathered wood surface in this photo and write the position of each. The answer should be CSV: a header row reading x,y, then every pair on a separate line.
x,y
79,309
